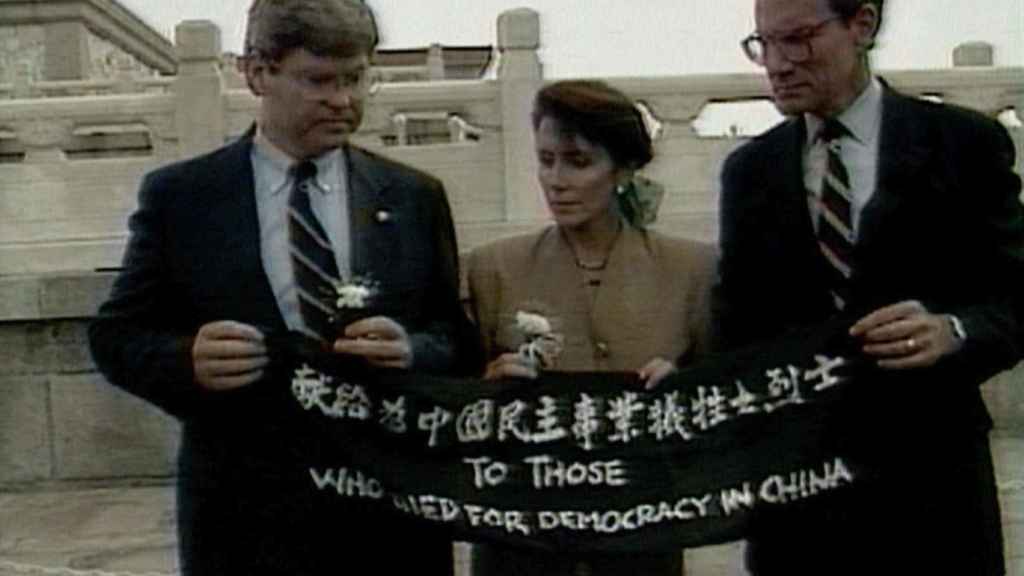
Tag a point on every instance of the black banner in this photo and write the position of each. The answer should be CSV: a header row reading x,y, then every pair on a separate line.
x,y
589,461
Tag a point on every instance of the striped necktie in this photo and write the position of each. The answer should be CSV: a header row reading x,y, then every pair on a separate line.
x,y
312,258
835,220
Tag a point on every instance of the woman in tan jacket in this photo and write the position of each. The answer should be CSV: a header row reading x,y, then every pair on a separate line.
x,y
614,295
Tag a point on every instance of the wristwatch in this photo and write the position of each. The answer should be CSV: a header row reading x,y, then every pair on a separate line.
x,y
957,328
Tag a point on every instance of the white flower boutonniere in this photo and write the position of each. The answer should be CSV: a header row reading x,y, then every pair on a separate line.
x,y
351,296
542,345
351,299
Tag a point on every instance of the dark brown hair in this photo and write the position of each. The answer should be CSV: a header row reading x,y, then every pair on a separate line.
x,y
341,28
846,9
603,115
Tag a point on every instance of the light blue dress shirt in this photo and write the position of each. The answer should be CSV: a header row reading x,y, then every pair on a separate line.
x,y
863,118
272,184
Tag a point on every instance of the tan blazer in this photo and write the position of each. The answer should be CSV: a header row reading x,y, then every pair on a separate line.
x,y
653,299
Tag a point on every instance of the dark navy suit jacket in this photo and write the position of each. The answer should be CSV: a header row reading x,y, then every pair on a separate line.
x,y
945,227
244,506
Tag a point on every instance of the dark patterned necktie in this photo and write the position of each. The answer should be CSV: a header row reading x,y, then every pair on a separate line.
x,y
312,258
835,219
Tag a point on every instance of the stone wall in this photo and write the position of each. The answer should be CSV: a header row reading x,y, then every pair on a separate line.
x,y
62,424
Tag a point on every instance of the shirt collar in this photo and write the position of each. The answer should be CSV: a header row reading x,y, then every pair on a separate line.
x,y
277,163
861,118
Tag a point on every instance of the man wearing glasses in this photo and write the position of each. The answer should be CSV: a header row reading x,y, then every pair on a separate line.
x,y
902,216
250,240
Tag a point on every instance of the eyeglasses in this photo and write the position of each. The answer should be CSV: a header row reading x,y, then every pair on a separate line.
x,y
794,46
358,81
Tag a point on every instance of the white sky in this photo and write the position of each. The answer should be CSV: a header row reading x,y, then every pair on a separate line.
x,y
642,37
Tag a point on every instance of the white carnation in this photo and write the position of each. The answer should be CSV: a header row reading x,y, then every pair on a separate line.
x,y
351,296
532,324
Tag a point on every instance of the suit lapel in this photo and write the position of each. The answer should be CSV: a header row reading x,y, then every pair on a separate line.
x,y
792,201
902,153
789,197
234,194
233,234
372,216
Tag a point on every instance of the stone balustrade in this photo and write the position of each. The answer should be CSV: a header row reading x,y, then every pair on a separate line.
x,y
65,212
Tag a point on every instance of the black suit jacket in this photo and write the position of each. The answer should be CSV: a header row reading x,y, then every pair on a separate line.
x,y
194,257
945,227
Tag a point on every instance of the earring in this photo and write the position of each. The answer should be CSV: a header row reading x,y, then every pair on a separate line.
x,y
620,189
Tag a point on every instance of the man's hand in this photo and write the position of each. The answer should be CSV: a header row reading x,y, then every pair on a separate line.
x,y
380,340
905,335
510,365
228,355
655,371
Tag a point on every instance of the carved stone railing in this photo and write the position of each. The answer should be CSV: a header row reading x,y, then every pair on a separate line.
x,y
689,164
129,84
70,164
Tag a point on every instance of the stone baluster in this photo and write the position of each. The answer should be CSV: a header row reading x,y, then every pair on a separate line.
x,y
435,62
972,54
401,122
458,129
988,100
520,76
197,89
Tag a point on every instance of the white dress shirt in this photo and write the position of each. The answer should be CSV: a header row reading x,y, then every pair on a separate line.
x,y
863,119
273,183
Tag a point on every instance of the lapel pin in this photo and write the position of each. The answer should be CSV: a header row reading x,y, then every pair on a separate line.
x,y
383,216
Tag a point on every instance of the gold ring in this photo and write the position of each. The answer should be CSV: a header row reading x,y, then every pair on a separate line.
x,y
911,344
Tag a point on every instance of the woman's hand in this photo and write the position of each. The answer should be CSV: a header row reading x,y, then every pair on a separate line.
x,y
655,371
510,365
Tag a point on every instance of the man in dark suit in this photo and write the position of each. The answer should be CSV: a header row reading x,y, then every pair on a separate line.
x,y
903,215
212,268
